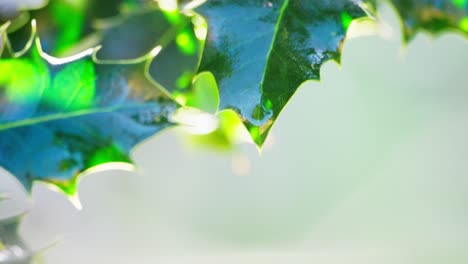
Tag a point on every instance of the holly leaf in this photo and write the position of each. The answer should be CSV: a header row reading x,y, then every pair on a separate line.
x,y
68,27
93,108
433,16
260,52
59,118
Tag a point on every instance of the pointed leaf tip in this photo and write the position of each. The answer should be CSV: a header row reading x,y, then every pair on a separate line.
x,y
105,110
260,62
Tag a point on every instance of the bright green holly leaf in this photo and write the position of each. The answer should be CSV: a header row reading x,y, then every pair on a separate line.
x,y
433,16
204,95
59,118
260,52
169,35
22,83
73,87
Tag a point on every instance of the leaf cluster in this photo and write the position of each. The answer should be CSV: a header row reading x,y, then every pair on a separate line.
x,y
82,82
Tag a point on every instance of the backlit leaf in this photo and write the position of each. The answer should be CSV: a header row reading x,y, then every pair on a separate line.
x,y
260,52
60,118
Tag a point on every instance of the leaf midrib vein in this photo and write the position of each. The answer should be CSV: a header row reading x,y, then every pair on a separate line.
x,y
274,39
62,116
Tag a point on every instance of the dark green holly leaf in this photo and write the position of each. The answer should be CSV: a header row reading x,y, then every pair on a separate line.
x,y
260,52
434,16
230,131
59,118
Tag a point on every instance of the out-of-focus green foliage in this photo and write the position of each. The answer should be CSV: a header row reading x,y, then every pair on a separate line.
x,y
13,250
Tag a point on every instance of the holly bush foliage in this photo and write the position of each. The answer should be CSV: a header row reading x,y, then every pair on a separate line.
x,y
82,82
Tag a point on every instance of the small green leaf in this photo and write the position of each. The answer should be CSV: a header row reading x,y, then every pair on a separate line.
x,y
73,87
225,137
22,83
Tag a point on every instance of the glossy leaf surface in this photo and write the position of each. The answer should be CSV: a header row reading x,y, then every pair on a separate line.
x,y
175,64
260,52
433,16
92,109
59,119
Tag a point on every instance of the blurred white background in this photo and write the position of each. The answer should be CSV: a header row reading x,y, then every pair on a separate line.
x,y
368,166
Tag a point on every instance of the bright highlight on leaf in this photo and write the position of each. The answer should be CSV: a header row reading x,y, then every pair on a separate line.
x,y
230,132
21,81
73,87
201,29
168,5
